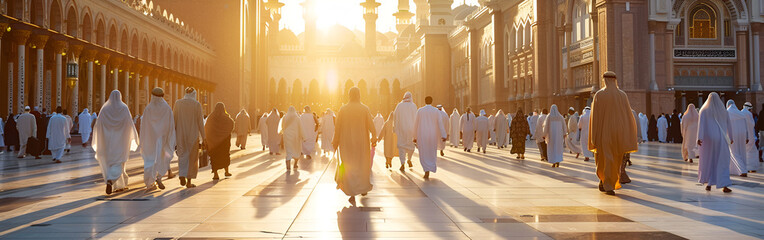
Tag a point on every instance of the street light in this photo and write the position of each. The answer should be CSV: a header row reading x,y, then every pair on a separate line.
x,y
72,73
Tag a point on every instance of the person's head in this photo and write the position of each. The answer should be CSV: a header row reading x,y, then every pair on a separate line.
x,y
610,79
306,109
519,112
354,94
748,106
544,111
428,100
59,109
675,111
63,112
408,97
157,92
468,110
27,109
571,110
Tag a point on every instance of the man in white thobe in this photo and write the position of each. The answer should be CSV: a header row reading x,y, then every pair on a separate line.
x,y
539,133
689,131
157,139
739,139
57,135
454,128
405,114
571,141
467,127
662,128
752,153
430,131
70,123
501,127
242,127
26,123
263,127
379,121
274,139
643,126
444,117
327,131
189,128
309,133
482,130
85,121
533,123
583,128
492,133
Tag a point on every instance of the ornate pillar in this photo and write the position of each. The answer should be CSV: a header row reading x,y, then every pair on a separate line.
x,y
741,70
59,49
136,92
126,71
147,92
103,59
115,63
38,42
10,78
20,38
89,57
74,51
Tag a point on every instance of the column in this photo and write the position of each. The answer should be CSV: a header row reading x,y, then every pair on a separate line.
x,y
741,73
10,71
147,92
136,92
89,57
38,42
103,59
74,54
126,71
59,47
20,37
48,91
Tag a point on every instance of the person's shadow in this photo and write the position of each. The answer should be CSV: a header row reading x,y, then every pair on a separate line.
x,y
352,222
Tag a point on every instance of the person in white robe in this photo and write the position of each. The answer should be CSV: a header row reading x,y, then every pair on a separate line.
x,y
539,133
752,152
491,130
430,132
553,133
690,120
262,125
446,121
57,135
379,121
327,132
26,123
509,127
274,139
189,130
84,120
454,128
467,128
583,128
533,121
501,127
2,135
714,137
662,128
158,139
405,114
70,124
643,126
291,129
114,136
482,130
242,127
571,141
309,132
739,140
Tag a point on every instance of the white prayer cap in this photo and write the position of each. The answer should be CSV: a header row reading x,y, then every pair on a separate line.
x,y
587,108
747,104
27,108
439,106
482,112
572,109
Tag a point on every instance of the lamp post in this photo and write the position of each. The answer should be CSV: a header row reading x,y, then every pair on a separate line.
x,y
72,77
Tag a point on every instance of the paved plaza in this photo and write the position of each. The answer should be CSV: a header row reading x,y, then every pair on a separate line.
x,y
472,196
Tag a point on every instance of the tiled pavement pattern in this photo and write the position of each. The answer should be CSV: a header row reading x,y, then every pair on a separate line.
x,y
472,196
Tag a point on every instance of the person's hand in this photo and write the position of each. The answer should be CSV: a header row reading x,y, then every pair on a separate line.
x,y
414,140
443,139
700,142
746,141
732,141
373,144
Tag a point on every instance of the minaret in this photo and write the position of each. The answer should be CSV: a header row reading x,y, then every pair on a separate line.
x,y
274,7
309,15
370,15
403,16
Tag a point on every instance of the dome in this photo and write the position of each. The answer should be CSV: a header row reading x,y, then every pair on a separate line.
x,y
351,49
462,11
287,37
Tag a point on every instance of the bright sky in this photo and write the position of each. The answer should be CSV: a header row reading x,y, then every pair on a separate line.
x,y
345,12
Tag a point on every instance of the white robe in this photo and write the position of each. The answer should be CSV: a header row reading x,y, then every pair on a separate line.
x,y
482,131
379,121
445,119
553,132
739,135
263,127
643,125
454,129
70,125
157,139
752,153
405,114
274,141
57,134
491,129
467,126
85,121
571,141
583,124
509,126
714,161
501,127
308,126
532,123
662,128
430,131
114,136
27,126
327,132
538,132
690,136
292,133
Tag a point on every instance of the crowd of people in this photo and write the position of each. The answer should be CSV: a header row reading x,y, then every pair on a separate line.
x,y
724,140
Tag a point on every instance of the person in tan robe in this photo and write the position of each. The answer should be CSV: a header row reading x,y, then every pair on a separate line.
x,y
218,129
612,132
388,135
242,128
354,137
189,126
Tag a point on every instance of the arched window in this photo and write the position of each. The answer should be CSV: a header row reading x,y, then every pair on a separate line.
x,y
703,22
581,29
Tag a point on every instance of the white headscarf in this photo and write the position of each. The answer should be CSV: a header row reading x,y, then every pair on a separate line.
x,y
689,114
85,121
482,112
407,97
735,113
554,114
714,108
455,112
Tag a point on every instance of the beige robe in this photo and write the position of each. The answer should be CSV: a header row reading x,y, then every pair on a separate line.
x,y
612,133
189,126
352,137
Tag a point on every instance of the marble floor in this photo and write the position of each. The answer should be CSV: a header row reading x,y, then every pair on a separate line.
x,y
472,196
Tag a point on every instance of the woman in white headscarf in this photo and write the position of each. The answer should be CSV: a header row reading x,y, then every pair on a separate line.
x,y
501,127
292,132
454,128
662,128
263,127
327,131
741,138
714,138
242,128
114,137
554,129
690,120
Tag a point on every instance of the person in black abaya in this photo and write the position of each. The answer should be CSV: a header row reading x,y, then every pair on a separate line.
x,y
11,134
675,128
652,128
